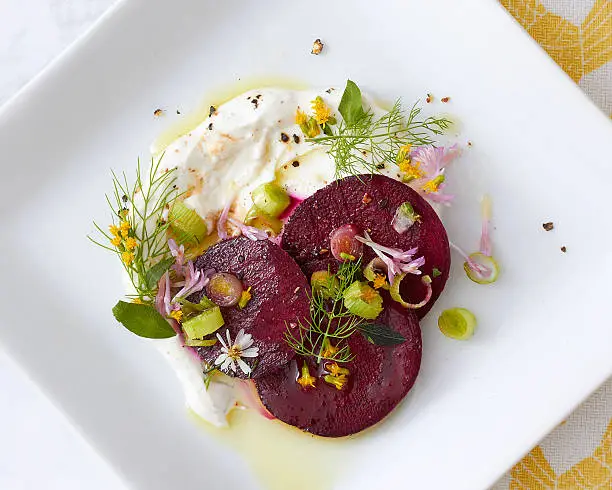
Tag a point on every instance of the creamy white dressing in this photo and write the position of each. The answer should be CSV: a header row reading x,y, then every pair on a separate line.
x,y
234,150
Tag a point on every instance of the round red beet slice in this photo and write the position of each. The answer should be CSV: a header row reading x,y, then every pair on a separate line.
x,y
370,202
380,378
279,292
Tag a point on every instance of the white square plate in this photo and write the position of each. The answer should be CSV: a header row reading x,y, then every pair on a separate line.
x,y
539,148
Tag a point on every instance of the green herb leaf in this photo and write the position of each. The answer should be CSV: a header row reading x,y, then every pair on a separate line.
x,y
351,107
143,320
154,274
436,272
378,334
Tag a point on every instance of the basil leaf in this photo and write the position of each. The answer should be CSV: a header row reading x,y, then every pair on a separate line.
x,y
154,274
143,320
378,334
351,107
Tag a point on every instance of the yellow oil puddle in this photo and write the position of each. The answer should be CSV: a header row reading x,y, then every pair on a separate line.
x,y
281,457
193,118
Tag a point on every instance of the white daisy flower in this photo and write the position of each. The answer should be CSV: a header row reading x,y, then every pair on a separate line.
x,y
232,353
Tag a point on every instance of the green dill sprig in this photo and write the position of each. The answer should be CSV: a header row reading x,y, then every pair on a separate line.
x,y
137,233
362,142
330,323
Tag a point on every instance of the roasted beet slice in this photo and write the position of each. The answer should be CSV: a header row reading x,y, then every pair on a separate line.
x,y
370,202
380,377
279,292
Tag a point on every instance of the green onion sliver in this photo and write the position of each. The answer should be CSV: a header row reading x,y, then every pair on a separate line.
x,y
271,199
186,225
457,323
200,342
204,324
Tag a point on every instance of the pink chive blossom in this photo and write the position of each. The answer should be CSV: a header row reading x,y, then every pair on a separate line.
x,y
222,222
179,255
189,280
486,247
250,232
480,269
432,161
195,281
485,237
396,260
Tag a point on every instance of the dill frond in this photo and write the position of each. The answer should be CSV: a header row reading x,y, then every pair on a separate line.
x,y
329,322
144,206
368,143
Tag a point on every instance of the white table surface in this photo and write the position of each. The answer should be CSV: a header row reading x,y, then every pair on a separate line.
x,y
38,447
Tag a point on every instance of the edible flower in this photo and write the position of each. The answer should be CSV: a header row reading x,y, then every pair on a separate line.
x,y
338,381
125,228
222,221
403,154
300,117
127,257
433,185
480,266
306,380
232,353
322,113
245,297
431,162
179,255
412,171
328,349
195,281
131,243
113,230
379,281
337,376
176,315
396,260
336,370
189,280
116,241
250,232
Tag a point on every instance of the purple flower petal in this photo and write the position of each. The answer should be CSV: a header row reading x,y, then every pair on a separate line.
x,y
222,222
250,232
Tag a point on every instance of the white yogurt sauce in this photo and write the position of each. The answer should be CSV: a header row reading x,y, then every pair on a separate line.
x,y
228,155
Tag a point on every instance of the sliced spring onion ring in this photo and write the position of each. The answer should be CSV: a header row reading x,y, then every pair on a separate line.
x,y
376,267
362,300
186,225
404,217
324,283
395,292
204,324
270,198
457,323
481,268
